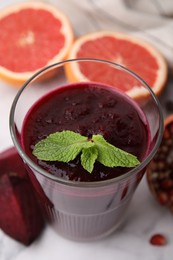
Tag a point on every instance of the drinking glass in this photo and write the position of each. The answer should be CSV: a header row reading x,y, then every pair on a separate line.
x,y
85,211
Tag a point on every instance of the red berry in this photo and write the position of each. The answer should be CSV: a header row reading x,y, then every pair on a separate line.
x,y
158,240
159,172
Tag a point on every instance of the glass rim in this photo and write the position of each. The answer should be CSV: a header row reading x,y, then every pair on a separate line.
x,y
43,172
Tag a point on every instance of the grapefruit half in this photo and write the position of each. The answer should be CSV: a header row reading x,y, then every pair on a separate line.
x,y
33,35
128,51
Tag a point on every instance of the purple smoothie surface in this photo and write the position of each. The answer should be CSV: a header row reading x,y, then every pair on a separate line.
x,y
87,108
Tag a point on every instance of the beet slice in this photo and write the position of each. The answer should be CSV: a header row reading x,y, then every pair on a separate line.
x,y
20,214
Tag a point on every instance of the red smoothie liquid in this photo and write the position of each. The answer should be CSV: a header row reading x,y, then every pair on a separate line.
x,y
87,108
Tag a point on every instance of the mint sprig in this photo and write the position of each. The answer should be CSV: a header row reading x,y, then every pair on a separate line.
x,y
65,146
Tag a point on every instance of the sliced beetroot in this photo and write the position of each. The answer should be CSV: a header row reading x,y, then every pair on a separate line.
x,y
160,170
20,214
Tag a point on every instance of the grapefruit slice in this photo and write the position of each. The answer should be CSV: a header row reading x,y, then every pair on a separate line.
x,y
132,53
33,35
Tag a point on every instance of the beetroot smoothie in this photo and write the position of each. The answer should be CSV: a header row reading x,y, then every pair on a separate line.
x,y
80,205
87,108
76,210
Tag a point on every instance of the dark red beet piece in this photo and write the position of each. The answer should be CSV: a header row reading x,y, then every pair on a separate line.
x,y
20,214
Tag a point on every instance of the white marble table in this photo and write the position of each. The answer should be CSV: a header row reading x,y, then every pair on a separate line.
x,y
131,242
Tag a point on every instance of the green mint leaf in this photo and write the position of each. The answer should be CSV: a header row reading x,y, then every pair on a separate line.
x,y
61,146
65,146
88,157
112,156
